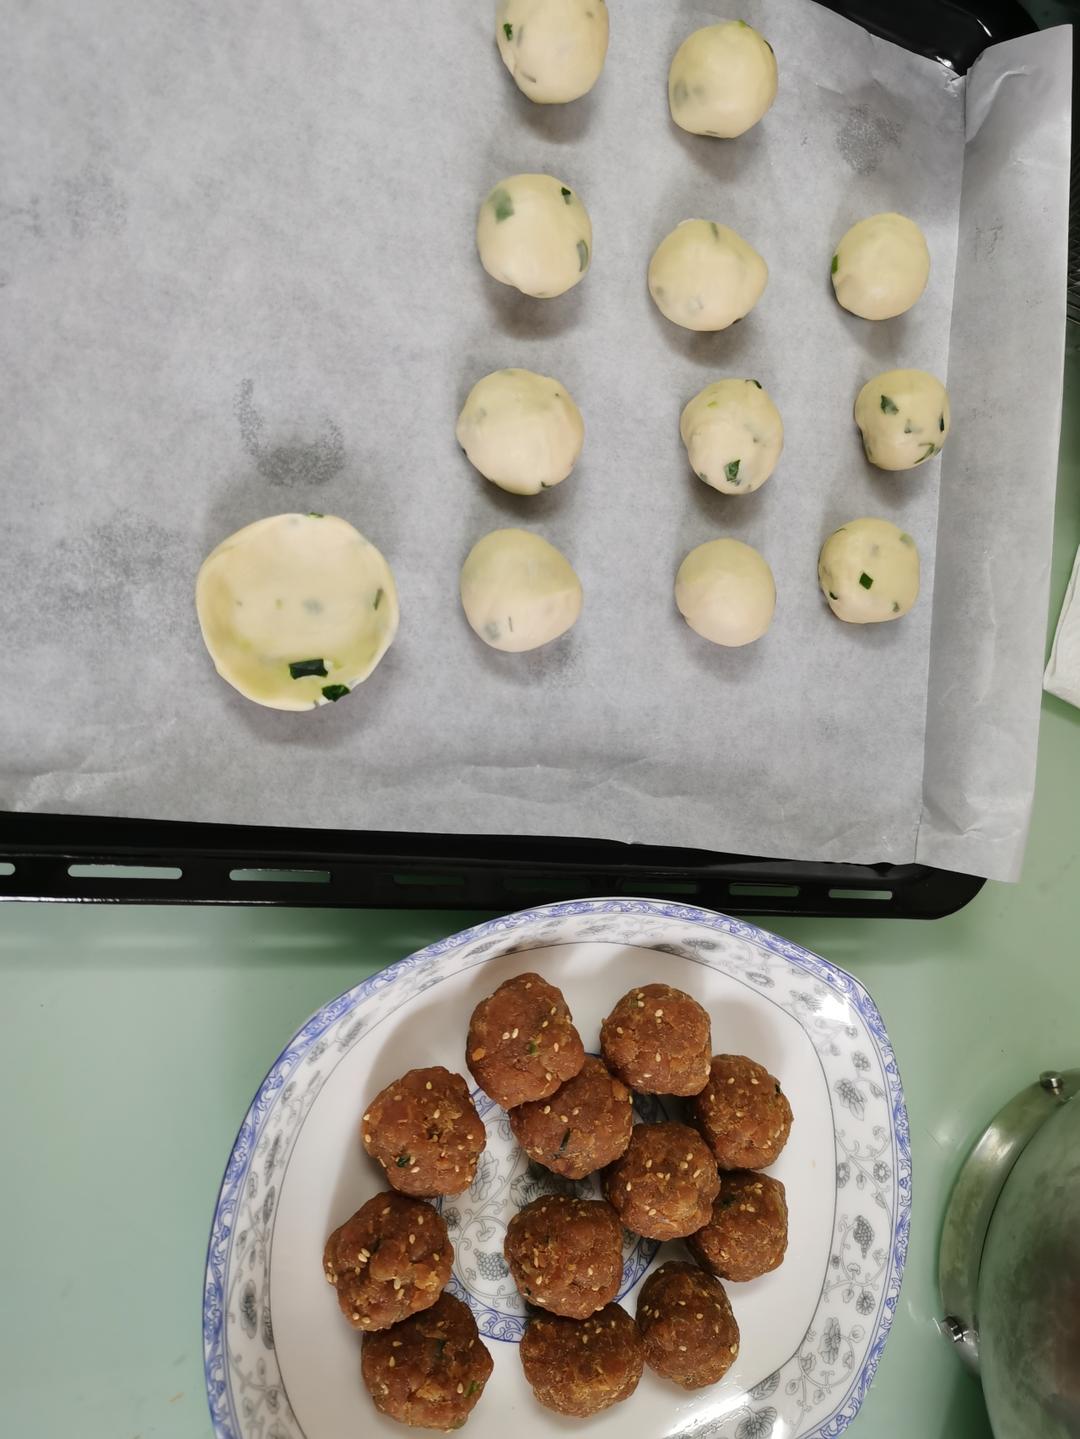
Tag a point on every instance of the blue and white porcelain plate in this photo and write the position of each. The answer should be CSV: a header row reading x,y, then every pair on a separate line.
x,y
282,1364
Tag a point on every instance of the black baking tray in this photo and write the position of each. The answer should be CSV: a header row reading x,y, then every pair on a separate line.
x,y
81,858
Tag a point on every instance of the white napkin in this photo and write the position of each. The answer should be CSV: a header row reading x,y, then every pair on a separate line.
x,y
1063,672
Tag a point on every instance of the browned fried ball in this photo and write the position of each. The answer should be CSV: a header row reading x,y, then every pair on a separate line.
x,y
522,1042
391,1259
580,1128
425,1133
687,1326
565,1254
664,1185
430,1371
658,1041
580,1366
747,1234
742,1113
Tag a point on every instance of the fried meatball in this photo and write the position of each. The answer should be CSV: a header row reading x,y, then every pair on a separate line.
x,y
582,1127
391,1259
565,1254
430,1371
747,1234
687,1326
522,1042
664,1185
658,1041
579,1367
742,1113
425,1132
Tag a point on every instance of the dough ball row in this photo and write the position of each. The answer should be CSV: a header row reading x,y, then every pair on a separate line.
x,y
722,79
534,234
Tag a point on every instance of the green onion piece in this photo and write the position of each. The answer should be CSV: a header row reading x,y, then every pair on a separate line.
x,y
567,195
906,540
532,1047
473,1387
732,472
300,669
930,450
865,580
502,203
403,1161
758,383
832,596
565,1142
715,229
582,254
941,424
333,693
314,514
835,263
887,406
508,31
378,598
896,607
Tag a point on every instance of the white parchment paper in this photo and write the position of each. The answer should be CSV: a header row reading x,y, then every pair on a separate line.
x,y
238,276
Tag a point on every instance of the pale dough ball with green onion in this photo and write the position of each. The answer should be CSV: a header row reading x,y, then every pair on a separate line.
x,y
904,418
868,570
555,49
881,267
704,276
722,80
519,592
733,435
534,233
725,592
521,430
296,610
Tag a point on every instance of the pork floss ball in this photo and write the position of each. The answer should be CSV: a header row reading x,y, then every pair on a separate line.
x,y
704,276
519,592
725,592
555,49
881,267
904,418
733,435
522,431
534,233
722,80
869,572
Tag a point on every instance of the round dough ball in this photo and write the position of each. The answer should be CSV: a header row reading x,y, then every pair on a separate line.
x,y
522,431
881,267
518,592
733,435
704,276
869,572
534,233
726,593
555,49
904,418
722,80
296,610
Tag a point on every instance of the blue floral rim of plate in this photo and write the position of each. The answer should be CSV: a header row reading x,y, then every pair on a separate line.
x,y
848,1359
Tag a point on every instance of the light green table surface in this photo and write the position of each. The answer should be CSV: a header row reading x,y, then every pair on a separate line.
x,y
134,1038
